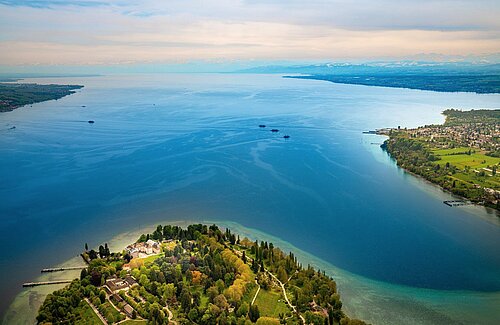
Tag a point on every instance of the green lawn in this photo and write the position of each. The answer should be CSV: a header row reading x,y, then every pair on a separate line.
x,y
271,303
150,259
134,322
87,316
444,152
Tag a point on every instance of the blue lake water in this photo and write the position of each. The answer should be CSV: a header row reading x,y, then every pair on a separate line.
x,y
186,146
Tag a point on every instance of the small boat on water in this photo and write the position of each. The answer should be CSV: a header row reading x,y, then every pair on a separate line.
x,y
275,130
286,136
91,122
262,126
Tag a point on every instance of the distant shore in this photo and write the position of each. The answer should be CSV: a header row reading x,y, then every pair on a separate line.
x,y
479,84
15,95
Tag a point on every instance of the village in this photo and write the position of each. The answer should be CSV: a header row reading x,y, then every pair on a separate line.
x,y
483,136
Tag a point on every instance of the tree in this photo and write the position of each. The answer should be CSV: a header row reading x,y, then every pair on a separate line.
x,y
243,310
253,313
185,300
102,296
83,274
282,276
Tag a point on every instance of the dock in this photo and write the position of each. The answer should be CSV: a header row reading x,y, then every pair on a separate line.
x,y
457,203
43,283
58,269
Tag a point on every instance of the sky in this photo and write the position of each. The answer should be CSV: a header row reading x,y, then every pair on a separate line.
x,y
125,32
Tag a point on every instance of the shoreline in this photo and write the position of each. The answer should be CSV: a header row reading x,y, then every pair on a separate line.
x,y
444,190
371,300
434,189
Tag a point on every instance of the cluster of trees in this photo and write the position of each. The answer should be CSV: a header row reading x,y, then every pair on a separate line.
x,y
103,252
312,292
63,305
202,279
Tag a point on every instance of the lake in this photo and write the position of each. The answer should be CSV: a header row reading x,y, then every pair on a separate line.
x,y
188,147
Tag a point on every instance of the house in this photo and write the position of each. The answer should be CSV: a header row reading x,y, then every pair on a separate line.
x,y
114,285
144,249
130,280
128,310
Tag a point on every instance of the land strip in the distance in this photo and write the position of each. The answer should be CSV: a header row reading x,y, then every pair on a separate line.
x,y
14,95
462,155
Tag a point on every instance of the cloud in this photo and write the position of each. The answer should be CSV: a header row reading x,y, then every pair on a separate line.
x,y
51,3
116,31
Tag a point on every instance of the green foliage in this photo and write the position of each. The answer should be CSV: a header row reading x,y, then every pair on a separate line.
x,y
203,279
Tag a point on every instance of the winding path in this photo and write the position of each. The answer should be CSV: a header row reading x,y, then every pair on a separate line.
x,y
258,289
281,285
286,297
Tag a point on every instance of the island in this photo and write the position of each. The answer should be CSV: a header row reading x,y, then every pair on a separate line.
x,y
462,155
198,275
14,95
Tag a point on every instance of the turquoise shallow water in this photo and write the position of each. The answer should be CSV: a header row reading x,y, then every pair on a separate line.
x,y
173,147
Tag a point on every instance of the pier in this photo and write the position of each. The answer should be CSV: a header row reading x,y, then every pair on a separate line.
x,y
456,203
43,283
58,269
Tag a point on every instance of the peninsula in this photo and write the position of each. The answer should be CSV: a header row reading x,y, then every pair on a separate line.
x,y
197,275
462,155
14,95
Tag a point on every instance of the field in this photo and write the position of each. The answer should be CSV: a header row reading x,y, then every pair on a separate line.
x,y
475,160
271,303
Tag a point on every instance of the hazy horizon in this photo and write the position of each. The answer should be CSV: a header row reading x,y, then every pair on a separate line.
x,y
86,33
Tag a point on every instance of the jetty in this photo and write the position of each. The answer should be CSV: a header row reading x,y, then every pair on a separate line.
x,y
457,203
43,283
58,269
